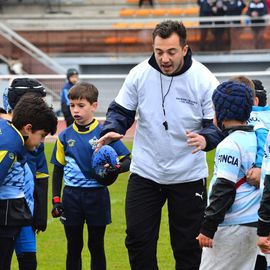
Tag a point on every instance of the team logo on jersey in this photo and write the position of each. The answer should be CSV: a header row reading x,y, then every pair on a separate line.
x,y
1,131
71,142
228,159
11,156
93,142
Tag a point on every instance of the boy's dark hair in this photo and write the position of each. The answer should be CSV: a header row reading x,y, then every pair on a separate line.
x,y
35,111
83,90
260,93
167,28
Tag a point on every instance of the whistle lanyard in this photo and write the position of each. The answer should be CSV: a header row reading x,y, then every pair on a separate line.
x,y
165,123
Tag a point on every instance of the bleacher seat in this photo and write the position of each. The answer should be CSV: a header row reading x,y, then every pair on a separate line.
x,y
184,11
159,12
127,12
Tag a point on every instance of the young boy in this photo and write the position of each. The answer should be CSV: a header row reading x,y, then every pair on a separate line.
x,y
32,120
36,180
84,199
72,79
229,226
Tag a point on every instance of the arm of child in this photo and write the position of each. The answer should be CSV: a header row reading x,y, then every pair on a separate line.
x,y
6,161
58,208
221,199
263,229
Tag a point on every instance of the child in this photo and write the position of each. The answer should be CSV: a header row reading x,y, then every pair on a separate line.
x,y
36,181
229,225
72,79
32,121
84,199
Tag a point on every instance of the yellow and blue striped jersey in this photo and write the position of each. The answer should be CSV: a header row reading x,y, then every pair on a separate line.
x,y
12,160
74,149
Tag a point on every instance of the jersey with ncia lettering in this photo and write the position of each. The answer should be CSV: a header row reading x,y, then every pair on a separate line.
x,y
235,155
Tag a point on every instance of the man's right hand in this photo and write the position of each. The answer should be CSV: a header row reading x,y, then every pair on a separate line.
x,y
108,138
57,207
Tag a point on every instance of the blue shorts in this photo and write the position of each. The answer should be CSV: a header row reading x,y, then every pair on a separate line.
x,y
86,204
26,240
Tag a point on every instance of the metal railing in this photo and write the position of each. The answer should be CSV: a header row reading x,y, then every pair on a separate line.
x,y
109,85
32,58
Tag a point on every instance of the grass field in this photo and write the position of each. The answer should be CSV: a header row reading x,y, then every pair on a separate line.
x,y
51,245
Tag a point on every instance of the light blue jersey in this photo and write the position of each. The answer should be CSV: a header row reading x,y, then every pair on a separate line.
x,y
260,119
235,155
73,151
260,115
266,162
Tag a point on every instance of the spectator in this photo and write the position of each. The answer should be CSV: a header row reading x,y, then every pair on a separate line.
x,y
151,3
163,167
72,79
256,10
205,32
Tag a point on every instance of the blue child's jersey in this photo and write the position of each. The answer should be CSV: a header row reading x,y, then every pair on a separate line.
x,y
12,160
260,119
64,93
74,149
36,163
235,155
260,115
29,187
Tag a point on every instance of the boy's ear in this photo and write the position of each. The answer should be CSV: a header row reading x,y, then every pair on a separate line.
x,y
256,101
94,106
26,129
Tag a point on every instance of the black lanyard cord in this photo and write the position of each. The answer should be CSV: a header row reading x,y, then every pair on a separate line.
x,y
165,123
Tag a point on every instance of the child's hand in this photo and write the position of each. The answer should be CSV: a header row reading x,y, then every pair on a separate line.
x,y
253,177
264,244
196,140
57,207
204,241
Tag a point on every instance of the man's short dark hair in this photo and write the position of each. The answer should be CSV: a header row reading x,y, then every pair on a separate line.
x,y
167,28
83,90
35,111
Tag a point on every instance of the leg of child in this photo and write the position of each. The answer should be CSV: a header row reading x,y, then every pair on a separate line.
x,y
74,235
96,247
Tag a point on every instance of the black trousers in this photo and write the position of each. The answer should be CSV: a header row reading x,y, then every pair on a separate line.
x,y
144,202
74,235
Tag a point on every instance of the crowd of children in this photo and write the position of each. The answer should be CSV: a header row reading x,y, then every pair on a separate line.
x,y
236,221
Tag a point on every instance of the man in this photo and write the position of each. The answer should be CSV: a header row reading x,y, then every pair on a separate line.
x,y
172,94
72,79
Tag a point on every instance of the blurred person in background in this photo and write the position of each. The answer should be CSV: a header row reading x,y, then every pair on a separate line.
x,y
72,79
256,10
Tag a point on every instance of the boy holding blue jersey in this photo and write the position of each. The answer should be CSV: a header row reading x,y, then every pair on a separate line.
x,y
32,121
229,226
84,198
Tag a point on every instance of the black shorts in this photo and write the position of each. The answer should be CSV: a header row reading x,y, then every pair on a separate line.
x,y
90,205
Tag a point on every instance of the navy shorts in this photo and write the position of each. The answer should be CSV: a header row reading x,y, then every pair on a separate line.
x,y
86,204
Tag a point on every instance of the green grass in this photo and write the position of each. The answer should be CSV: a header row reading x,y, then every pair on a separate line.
x,y
51,245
